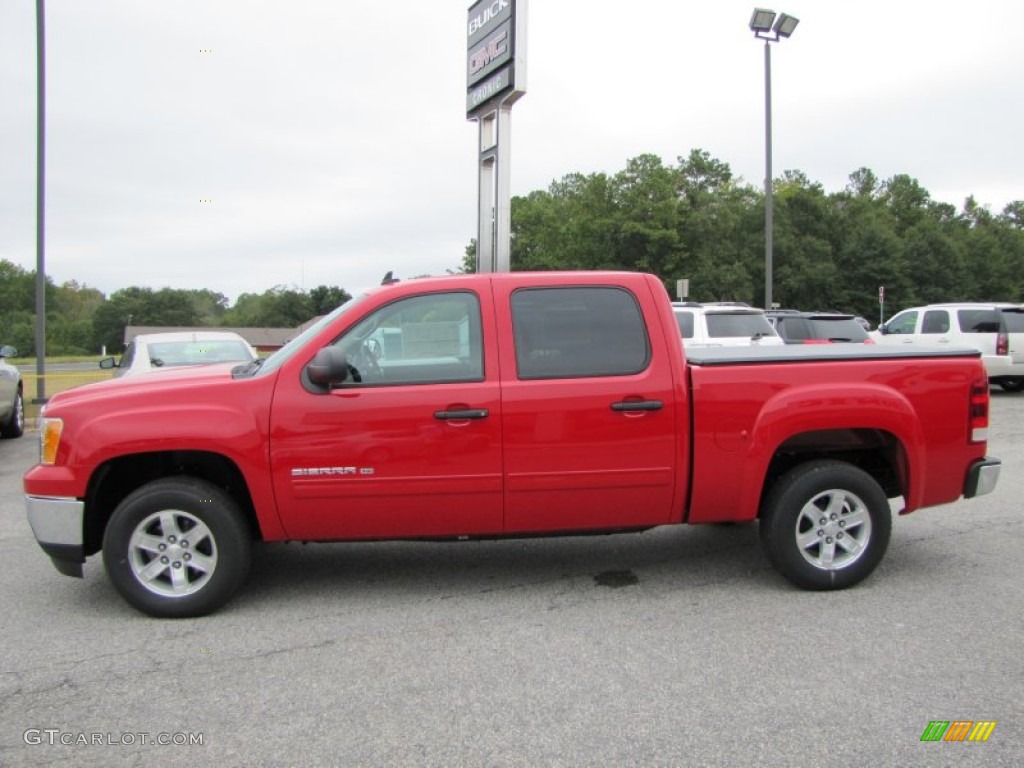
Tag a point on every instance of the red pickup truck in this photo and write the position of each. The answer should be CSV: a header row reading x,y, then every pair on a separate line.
x,y
478,406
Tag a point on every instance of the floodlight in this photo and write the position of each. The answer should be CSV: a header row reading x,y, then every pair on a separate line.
x,y
785,25
762,20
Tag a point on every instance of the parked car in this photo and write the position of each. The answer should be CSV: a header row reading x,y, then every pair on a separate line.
x,y
12,396
155,351
797,327
724,325
996,329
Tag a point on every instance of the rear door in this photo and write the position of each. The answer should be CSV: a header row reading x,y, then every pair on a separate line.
x,y
935,326
589,413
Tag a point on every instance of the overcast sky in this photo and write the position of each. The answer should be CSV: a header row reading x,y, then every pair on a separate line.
x,y
331,141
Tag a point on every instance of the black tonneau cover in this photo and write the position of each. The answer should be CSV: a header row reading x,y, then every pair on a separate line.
x,y
804,353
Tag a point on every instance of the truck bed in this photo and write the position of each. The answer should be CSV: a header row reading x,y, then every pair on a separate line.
x,y
818,352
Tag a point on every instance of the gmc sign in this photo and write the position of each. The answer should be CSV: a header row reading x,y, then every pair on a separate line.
x,y
495,61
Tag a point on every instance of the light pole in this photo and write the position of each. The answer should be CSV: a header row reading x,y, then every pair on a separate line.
x,y
766,27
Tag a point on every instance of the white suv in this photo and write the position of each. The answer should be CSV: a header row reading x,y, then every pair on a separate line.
x,y
996,329
724,325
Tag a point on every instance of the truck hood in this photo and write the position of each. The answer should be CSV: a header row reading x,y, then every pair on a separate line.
x,y
153,387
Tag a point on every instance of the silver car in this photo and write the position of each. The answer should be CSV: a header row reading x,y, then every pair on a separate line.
x,y
12,396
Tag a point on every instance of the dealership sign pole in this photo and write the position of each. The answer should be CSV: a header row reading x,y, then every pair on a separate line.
x,y
495,79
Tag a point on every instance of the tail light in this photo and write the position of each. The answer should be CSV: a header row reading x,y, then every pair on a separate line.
x,y
978,410
1002,344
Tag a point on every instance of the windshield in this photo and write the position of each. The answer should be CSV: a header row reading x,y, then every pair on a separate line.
x,y
277,359
199,352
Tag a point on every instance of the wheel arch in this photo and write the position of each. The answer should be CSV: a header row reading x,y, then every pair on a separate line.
x,y
869,425
878,452
116,478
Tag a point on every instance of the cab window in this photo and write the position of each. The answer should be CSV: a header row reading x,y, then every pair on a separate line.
x,y
576,332
904,322
426,339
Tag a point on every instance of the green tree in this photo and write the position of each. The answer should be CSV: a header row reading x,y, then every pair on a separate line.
x,y
278,307
324,299
208,306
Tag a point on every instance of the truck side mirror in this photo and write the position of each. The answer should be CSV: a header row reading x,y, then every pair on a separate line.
x,y
328,367
8,351
883,328
107,363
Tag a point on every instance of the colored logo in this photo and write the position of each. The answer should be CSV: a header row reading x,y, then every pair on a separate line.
x,y
958,730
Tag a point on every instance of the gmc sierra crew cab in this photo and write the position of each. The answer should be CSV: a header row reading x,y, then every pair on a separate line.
x,y
481,406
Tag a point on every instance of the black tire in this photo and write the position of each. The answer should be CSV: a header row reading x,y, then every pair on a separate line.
x,y
153,564
1012,385
845,542
15,424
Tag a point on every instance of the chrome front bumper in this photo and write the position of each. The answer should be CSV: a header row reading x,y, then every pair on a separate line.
x,y
57,526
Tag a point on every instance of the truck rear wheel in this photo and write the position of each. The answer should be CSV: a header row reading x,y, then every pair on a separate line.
x,y
177,547
825,525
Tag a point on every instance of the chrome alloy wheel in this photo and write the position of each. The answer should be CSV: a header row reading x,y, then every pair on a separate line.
x,y
833,529
172,553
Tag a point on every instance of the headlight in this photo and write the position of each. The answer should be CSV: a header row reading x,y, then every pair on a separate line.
x,y
49,439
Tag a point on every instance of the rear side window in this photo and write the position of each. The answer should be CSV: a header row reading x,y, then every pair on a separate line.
x,y
794,329
726,324
578,332
1014,320
935,321
979,320
685,322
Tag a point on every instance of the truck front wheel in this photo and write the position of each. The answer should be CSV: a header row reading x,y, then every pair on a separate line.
x,y
177,547
825,525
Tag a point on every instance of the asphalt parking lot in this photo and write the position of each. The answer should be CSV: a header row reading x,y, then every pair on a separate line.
x,y
675,647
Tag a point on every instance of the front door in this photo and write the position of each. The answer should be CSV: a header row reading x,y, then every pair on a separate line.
x,y
410,445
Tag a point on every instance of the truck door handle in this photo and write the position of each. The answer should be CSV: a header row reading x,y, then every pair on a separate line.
x,y
638,405
469,413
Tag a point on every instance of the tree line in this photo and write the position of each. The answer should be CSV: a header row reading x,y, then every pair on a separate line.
x,y
694,219
82,320
834,250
